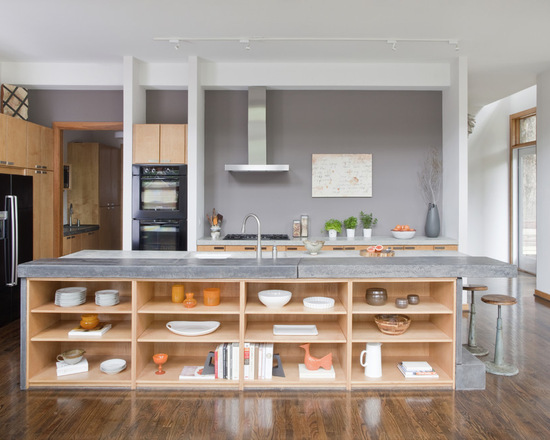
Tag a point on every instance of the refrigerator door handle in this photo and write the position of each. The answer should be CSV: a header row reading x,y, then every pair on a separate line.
x,y
11,207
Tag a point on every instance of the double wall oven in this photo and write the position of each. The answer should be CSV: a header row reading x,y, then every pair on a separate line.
x,y
159,207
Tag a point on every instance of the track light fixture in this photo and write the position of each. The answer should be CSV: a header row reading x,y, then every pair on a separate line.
x,y
393,44
175,42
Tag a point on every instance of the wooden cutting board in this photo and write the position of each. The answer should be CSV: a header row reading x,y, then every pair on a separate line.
x,y
365,253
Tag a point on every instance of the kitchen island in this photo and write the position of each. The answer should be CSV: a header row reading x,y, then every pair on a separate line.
x,y
144,281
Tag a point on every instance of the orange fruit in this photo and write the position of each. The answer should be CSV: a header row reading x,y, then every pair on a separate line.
x,y
397,228
406,228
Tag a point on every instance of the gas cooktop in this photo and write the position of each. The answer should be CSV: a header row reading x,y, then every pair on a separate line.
x,y
255,237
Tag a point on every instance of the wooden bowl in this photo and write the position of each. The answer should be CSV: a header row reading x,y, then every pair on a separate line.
x,y
392,324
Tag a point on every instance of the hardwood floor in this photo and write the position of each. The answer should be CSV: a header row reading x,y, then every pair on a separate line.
x,y
515,407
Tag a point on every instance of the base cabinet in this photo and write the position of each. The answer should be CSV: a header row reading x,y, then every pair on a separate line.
x,y
139,331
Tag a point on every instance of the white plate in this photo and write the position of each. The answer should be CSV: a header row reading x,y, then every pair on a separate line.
x,y
112,366
71,290
295,330
318,302
192,328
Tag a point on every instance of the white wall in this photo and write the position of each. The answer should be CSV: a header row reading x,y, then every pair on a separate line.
x,y
543,182
488,180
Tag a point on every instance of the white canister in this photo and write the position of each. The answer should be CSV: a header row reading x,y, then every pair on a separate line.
x,y
371,359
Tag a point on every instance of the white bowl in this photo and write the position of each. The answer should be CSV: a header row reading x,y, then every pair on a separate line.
x,y
274,299
313,247
403,234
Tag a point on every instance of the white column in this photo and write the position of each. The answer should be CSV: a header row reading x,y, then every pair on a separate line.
x,y
454,204
543,182
195,154
134,113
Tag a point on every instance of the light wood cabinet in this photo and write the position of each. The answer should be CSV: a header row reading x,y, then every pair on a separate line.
x,y
39,147
343,330
96,189
89,240
159,143
72,244
13,141
43,214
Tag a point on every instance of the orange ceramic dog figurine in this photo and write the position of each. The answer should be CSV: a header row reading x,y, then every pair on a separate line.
x,y
313,363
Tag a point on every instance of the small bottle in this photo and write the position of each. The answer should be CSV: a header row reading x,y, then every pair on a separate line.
x,y
274,252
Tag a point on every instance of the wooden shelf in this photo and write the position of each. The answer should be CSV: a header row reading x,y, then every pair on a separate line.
x,y
292,377
94,377
294,307
163,305
392,377
124,307
260,331
119,332
419,331
157,332
427,305
173,367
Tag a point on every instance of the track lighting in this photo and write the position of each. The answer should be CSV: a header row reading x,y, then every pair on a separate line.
x,y
393,44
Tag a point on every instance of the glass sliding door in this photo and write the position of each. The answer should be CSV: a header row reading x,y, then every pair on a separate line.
x,y
526,212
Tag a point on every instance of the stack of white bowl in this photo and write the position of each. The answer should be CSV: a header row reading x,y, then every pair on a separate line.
x,y
70,296
107,297
112,366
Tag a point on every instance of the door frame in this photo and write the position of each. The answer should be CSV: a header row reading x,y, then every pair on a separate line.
x,y
58,129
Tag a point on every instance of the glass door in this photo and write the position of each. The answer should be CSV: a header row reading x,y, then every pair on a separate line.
x,y
527,202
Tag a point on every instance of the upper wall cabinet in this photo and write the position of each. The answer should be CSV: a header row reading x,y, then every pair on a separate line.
x,y
13,141
39,147
160,143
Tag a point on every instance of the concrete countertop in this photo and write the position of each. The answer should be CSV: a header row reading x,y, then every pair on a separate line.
x,y
74,230
177,265
385,240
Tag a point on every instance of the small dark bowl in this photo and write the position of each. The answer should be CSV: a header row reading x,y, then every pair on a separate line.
x,y
376,296
401,303
413,299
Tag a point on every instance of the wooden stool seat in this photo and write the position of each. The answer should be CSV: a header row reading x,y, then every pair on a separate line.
x,y
474,288
499,300
498,366
471,346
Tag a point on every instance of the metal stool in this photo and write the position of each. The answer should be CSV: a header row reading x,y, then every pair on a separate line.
x,y
471,346
498,366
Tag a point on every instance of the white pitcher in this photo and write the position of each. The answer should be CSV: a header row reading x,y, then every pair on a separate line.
x,y
372,359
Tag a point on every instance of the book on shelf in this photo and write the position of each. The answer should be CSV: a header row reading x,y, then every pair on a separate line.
x,y
226,361
427,373
64,368
268,362
194,372
235,361
246,361
100,330
258,361
416,366
320,373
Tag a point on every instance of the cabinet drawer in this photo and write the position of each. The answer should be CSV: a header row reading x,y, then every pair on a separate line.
x,y
210,248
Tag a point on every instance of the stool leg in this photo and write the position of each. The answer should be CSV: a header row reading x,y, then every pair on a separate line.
x,y
498,366
472,347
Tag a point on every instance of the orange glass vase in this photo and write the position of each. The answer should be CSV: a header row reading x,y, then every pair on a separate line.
x,y
189,301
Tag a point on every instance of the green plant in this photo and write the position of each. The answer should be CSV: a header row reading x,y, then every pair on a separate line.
x,y
350,222
367,220
333,224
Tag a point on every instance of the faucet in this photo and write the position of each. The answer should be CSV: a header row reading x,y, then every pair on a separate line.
x,y
259,245
71,215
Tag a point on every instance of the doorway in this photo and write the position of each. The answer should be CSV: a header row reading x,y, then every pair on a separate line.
x,y
59,128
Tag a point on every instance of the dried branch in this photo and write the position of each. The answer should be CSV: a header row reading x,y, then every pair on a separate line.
x,y
430,177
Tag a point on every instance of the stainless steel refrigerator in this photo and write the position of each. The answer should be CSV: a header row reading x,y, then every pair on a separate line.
x,y
16,240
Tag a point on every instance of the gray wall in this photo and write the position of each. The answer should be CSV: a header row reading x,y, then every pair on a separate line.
x,y
166,107
398,128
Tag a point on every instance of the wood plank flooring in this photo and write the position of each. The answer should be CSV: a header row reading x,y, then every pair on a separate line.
x,y
515,407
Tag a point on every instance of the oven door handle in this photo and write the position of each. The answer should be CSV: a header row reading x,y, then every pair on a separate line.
x,y
158,223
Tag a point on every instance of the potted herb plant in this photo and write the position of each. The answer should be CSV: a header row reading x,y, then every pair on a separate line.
x,y
350,223
333,227
368,222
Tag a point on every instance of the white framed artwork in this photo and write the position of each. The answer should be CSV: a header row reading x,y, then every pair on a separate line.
x,y
341,175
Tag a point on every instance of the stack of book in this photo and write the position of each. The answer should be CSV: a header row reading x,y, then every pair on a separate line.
x,y
417,370
226,361
258,361
64,368
100,330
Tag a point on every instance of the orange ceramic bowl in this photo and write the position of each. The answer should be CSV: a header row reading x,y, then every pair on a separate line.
x,y
89,321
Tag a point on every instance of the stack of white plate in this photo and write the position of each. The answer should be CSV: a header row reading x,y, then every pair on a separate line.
x,y
106,297
112,366
70,296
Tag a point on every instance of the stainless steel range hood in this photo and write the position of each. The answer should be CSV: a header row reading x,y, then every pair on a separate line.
x,y
257,139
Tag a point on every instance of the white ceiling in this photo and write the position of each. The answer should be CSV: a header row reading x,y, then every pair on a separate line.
x,y
505,41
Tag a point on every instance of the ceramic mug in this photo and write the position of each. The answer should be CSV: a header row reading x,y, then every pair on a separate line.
x,y
71,356
178,293
371,359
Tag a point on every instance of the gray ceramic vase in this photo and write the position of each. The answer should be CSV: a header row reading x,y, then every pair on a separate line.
x,y
432,227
